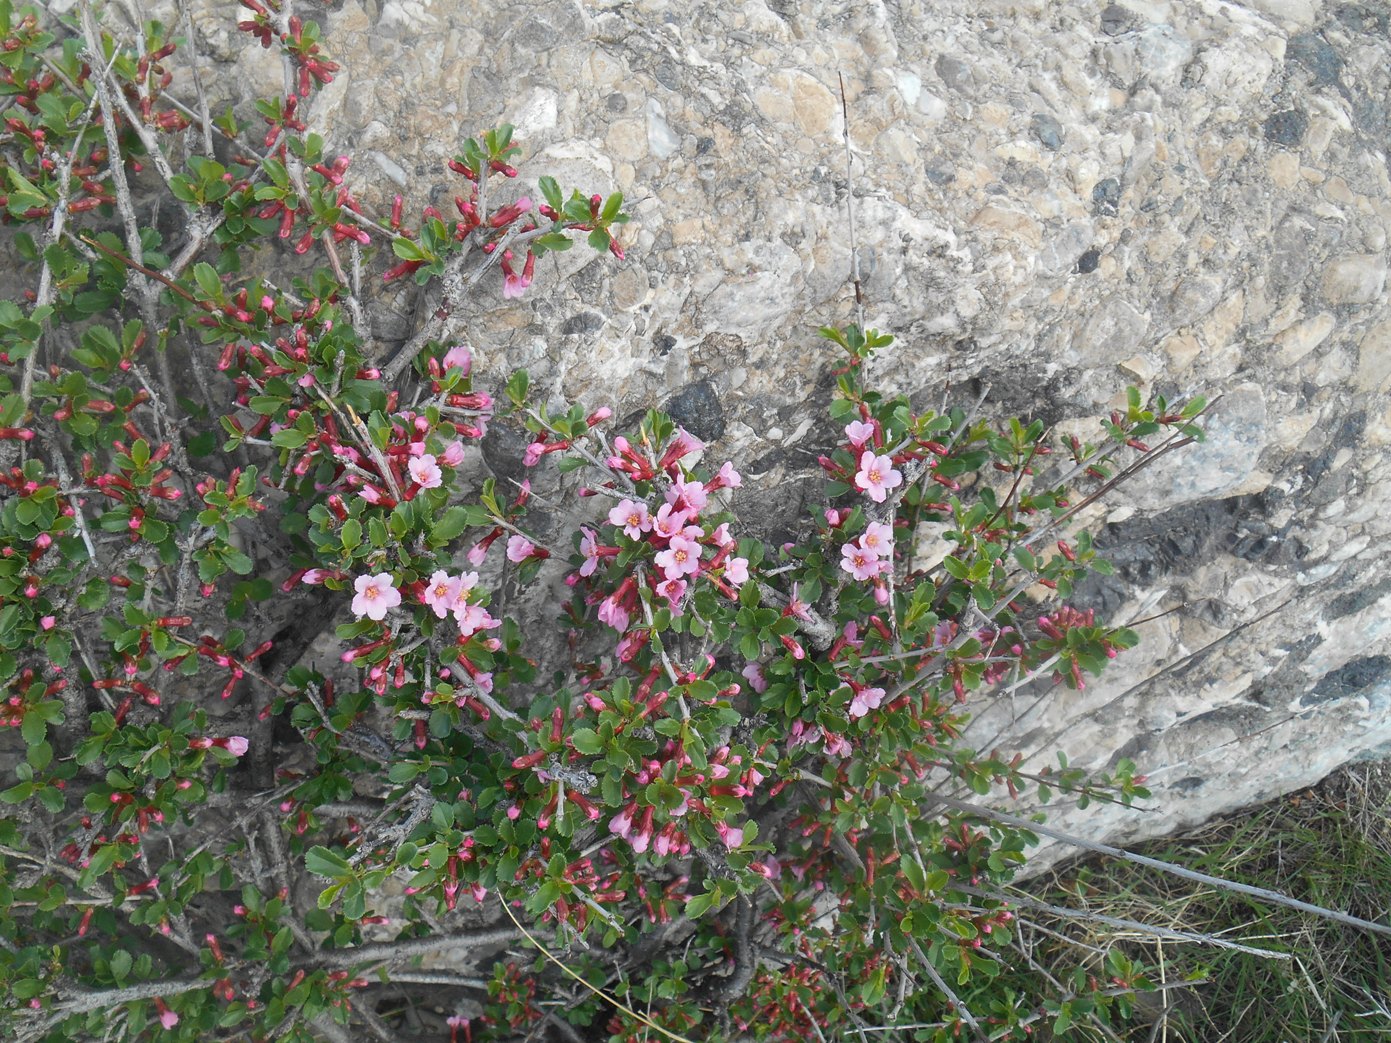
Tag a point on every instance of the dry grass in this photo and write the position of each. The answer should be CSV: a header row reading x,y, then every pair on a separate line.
x,y
1330,846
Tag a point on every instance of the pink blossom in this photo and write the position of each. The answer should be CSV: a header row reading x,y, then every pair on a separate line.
x,y
633,517
859,562
425,471
237,746
859,433
796,606
376,595
473,619
589,547
441,593
514,284
168,1018
460,356
453,454
669,521
866,699
672,590
877,476
732,836
683,445
681,558
753,673
736,571
519,548
727,477
370,493
721,535
878,539
47,622
614,614
837,746
622,823
690,494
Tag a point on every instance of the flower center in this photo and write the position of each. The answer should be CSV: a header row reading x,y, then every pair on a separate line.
x,y
874,477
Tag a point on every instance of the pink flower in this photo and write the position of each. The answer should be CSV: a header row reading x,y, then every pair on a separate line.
x,y
519,548
877,476
858,433
878,539
732,836
721,535
690,494
669,522
425,471
375,596
859,562
672,589
866,699
683,445
681,558
754,675
727,477
453,454
473,619
460,356
589,547
633,517
47,622
736,571
237,745
837,746
613,613
441,593
514,285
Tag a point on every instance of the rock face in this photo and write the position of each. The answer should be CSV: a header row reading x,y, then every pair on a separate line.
x,y
1052,198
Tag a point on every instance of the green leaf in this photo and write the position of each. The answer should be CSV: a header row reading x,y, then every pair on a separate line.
x,y
121,962
587,741
205,275
322,862
351,534
451,523
289,438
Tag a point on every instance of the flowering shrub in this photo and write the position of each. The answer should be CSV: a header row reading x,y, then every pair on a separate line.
x,y
727,802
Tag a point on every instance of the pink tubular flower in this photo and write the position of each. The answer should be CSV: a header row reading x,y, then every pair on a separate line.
x,y
683,445
453,454
514,284
859,433
376,595
633,517
878,539
425,472
726,478
689,494
681,558
877,476
866,699
237,745
167,1018
859,562
519,548
441,593
721,535
732,836
589,547
753,673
